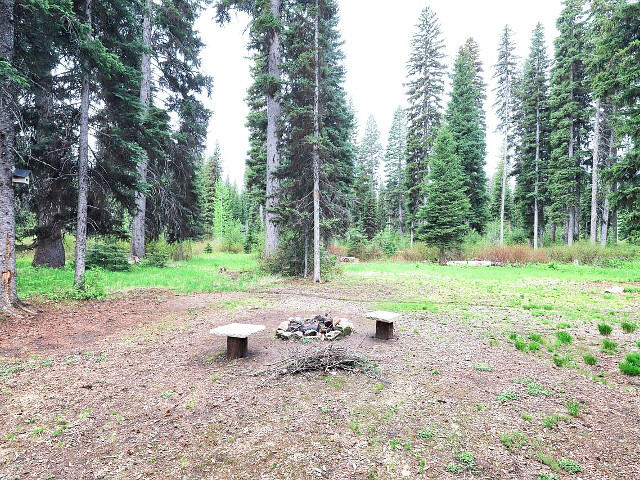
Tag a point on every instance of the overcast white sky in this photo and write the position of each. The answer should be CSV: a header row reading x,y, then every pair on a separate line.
x,y
377,35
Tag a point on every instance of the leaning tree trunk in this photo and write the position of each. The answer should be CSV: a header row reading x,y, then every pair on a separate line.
x,y
8,291
316,155
137,223
272,235
83,169
593,234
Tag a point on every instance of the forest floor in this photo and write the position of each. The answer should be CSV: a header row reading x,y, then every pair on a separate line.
x,y
135,386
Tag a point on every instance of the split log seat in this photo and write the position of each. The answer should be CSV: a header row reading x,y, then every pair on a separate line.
x,y
384,323
237,337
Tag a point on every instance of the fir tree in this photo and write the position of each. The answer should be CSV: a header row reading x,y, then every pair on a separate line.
x,y
210,174
465,121
505,73
532,159
569,103
425,85
447,208
366,182
395,164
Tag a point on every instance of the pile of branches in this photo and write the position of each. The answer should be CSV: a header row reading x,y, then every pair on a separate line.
x,y
325,359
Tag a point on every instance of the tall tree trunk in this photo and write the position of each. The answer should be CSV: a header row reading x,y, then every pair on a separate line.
x,y
316,154
537,180
570,224
553,233
138,221
503,194
593,234
272,237
83,168
8,292
605,211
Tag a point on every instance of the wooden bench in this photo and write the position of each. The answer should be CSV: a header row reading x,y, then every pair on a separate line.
x,y
384,323
237,337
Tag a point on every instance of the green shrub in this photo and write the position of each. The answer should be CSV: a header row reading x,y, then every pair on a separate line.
x,y
609,347
158,254
109,256
564,337
589,359
604,329
628,327
631,365
387,240
208,248
570,466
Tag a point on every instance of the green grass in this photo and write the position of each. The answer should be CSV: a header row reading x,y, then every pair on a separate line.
x,y
564,338
407,306
570,466
506,397
552,421
631,365
514,441
628,327
200,274
573,407
589,359
604,329
609,347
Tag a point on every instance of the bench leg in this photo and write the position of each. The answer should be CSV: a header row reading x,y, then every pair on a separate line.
x,y
384,330
237,347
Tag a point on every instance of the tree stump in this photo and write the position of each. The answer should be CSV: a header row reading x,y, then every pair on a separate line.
x,y
384,330
237,347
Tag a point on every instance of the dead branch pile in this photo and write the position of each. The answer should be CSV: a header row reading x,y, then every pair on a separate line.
x,y
325,359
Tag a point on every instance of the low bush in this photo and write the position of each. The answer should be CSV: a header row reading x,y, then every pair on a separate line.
x,y
110,256
631,364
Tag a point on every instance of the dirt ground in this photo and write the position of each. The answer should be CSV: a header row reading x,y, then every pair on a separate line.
x,y
136,387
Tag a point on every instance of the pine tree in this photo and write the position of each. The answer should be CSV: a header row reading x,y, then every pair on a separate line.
x,y
8,77
447,207
569,103
425,85
465,121
367,178
495,195
395,164
210,174
505,73
532,159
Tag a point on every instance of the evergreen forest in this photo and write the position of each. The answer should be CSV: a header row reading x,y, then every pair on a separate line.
x,y
102,102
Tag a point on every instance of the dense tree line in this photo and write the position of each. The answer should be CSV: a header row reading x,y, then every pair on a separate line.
x,y
101,100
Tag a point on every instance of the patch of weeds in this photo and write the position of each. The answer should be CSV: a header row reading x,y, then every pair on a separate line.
x,y
426,434
552,421
609,347
520,345
628,327
468,460
536,338
561,361
435,371
512,336
534,347
30,421
564,338
535,389
604,329
483,367
570,466
562,325
47,363
84,413
506,397
37,431
455,468
215,377
380,386
548,460
589,359
526,417
573,407
631,365
407,446
169,393
395,443
479,407
493,343
100,358
514,441
547,476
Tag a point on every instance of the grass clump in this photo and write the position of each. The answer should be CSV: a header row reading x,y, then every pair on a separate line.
x,y
631,365
564,338
455,468
520,345
547,476
570,466
514,441
534,347
589,359
609,347
484,367
536,338
573,407
426,434
628,327
552,421
561,361
604,329
535,389
506,397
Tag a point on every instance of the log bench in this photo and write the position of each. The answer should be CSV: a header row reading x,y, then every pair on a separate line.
x,y
384,323
237,337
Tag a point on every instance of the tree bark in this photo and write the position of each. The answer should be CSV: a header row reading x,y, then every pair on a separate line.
x,y
49,249
8,292
537,180
138,221
83,167
316,154
272,235
604,227
570,223
593,234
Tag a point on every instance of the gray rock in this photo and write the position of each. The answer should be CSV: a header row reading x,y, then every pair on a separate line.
x,y
284,325
333,335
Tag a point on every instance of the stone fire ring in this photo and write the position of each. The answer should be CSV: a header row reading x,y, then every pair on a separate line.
x,y
237,337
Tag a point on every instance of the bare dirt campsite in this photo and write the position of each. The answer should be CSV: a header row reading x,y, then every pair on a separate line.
x,y
487,375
